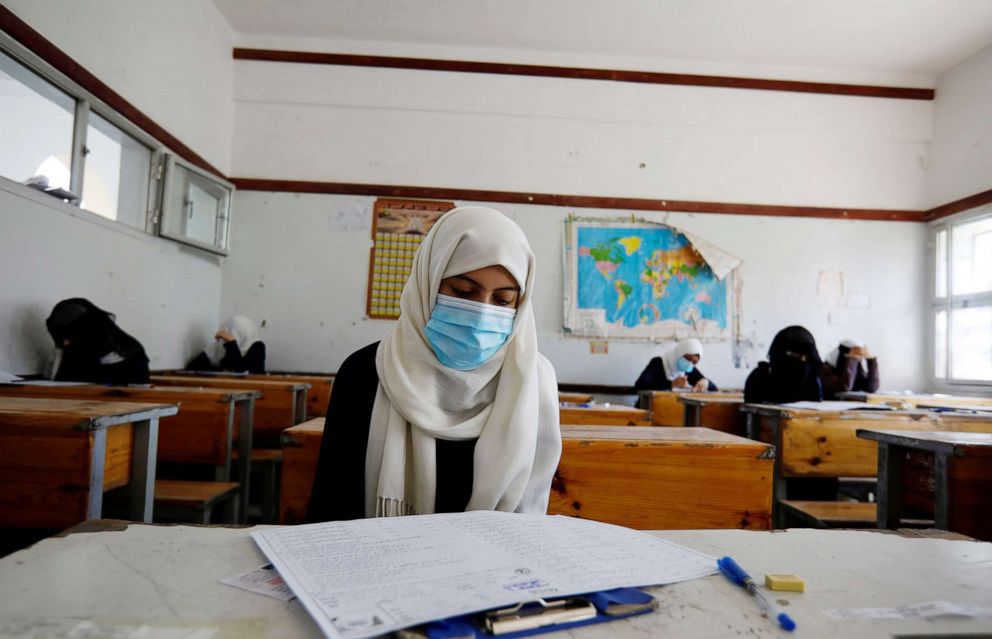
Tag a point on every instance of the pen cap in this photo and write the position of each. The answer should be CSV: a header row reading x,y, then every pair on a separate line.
x,y
733,571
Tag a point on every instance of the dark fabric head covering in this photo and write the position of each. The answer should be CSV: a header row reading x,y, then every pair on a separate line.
x,y
795,366
92,334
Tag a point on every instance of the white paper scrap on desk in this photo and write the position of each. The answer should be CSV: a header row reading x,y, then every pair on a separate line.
x,y
834,406
912,611
367,577
263,581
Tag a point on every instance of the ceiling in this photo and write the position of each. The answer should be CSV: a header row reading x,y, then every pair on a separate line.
x,y
922,37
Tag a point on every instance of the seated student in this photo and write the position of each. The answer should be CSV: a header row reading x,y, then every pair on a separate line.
x,y
676,368
90,347
237,349
792,372
845,369
454,409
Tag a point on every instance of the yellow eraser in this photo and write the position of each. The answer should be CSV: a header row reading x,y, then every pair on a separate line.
x,y
784,582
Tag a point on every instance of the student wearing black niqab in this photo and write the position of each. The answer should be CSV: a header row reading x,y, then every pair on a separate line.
x,y
792,372
90,347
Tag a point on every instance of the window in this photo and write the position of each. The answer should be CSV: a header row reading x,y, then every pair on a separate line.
x,y
60,139
961,303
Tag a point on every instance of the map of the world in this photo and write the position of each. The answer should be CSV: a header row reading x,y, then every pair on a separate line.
x,y
640,280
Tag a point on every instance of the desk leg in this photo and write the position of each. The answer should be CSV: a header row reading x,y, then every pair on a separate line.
x,y
300,407
143,457
889,513
98,457
779,485
751,426
244,457
940,491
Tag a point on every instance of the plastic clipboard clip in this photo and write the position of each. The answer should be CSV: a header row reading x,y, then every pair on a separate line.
x,y
538,614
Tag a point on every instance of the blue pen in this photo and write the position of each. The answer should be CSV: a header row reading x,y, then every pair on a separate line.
x,y
736,574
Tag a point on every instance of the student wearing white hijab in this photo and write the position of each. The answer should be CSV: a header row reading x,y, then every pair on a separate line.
x,y
676,368
454,409
237,348
849,367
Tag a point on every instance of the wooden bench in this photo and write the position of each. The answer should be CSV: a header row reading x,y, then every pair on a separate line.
x,y
300,451
605,415
195,500
202,433
663,478
818,444
58,457
948,474
719,411
282,403
266,463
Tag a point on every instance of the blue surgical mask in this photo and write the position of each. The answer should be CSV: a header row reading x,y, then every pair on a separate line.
x,y
464,334
685,365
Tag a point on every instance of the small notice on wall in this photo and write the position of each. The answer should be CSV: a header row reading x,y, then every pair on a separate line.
x,y
398,228
599,347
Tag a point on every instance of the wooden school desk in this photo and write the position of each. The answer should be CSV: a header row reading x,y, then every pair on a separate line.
x,y
667,410
114,582
318,395
574,398
282,404
948,474
719,411
202,433
653,477
811,443
300,451
916,399
614,414
58,457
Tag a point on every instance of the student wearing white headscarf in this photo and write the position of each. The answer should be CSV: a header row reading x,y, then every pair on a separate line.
x,y
237,348
849,367
676,368
455,409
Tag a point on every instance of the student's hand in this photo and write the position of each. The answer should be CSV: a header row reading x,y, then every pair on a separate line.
x,y
859,352
680,382
702,386
224,335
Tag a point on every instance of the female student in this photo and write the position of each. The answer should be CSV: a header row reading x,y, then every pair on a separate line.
x,y
792,372
90,347
454,409
849,367
676,368
237,348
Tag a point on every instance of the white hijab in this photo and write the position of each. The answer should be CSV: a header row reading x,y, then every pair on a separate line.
x,y
510,403
670,358
849,343
245,333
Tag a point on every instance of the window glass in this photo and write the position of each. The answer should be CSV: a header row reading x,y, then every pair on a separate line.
x,y
971,343
195,208
940,274
36,121
940,345
115,182
972,258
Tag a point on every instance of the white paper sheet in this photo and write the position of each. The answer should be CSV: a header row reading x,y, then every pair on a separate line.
x,y
833,406
367,577
263,581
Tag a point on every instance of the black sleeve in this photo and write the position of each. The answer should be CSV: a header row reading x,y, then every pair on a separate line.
x,y
653,377
339,482
200,363
253,361
756,386
696,375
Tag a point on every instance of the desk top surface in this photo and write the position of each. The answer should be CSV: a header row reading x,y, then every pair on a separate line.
x,y
702,399
315,425
942,441
603,408
82,414
660,434
166,578
941,399
229,382
167,393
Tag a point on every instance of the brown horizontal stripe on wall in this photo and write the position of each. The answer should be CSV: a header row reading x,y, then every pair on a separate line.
x,y
578,73
44,49
579,201
957,206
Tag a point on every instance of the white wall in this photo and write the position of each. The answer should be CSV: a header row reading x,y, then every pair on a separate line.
x,y
164,295
300,263
172,60
961,160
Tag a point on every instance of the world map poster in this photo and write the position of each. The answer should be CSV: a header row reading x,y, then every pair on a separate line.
x,y
640,281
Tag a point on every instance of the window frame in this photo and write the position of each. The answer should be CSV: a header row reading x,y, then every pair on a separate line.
x,y
86,102
950,302
170,162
